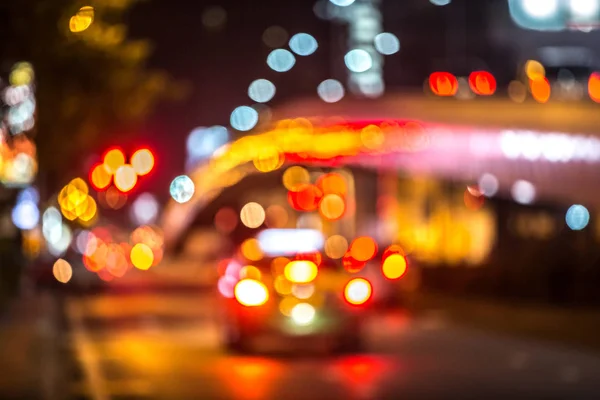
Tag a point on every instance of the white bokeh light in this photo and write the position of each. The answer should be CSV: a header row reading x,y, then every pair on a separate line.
x,y
488,185
281,60
358,60
303,44
182,189
584,8
144,209
244,118
387,43
59,247
523,192
540,8
330,91
261,90
52,225
342,3
440,2
303,314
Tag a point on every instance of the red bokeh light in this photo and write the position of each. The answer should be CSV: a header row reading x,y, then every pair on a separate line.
x,y
393,249
306,198
482,83
350,264
443,84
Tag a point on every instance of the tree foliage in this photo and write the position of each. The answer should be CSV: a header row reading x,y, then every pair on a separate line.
x,y
89,84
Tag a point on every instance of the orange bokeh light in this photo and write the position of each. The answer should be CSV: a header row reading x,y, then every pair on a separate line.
x,y
332,184
363,249
482,83
443,84
472,201
99,177
540,89
113,160
594,87
142,161
332,207
125,178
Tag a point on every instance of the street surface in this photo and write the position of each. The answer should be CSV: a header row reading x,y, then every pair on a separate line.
x,y
155,335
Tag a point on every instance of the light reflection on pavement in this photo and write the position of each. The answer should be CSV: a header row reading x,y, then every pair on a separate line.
x,y
165,344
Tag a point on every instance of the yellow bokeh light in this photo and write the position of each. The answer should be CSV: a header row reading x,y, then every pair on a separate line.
x,y
332,207
82,20
99,177
372,137
252,215
250,272
90,210
295,176
251,293
125,178
534,70
394,266
21,74
62,271
113,160
336,246
142,161
269,159
251,250
141,256
301,271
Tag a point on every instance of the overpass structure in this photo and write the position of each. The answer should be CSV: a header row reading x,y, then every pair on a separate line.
x,y
554,146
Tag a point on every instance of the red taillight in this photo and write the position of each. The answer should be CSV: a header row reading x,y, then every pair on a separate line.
x,y
358,291
443,83
482,83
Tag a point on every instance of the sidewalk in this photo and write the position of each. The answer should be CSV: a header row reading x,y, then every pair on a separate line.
x,y
25,331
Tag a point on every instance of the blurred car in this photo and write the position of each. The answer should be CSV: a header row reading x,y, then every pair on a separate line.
x,y
280,284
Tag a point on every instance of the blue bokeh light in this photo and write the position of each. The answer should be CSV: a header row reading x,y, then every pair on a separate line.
x,y
281,60
261,90
303,44
577,217
358,60
244,118
182,189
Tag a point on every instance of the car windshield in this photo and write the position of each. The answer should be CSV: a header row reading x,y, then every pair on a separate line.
x,y
318,199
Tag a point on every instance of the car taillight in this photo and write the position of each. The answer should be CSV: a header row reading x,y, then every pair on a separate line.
x,y
358,291
251,293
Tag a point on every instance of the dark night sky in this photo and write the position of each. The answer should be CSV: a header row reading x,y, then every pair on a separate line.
x,y
220,65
